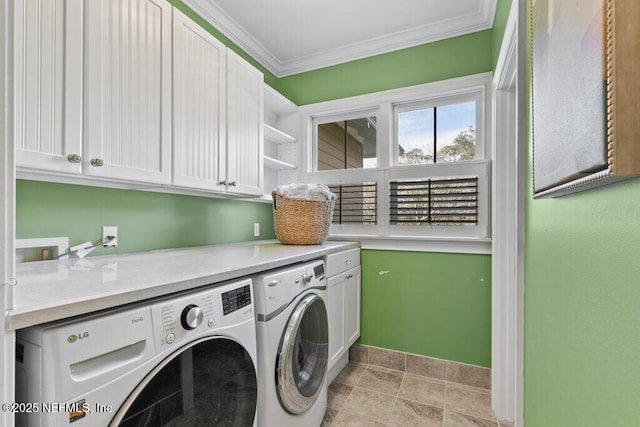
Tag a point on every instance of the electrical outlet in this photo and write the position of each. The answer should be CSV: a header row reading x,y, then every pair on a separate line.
x,y
256,229
107,233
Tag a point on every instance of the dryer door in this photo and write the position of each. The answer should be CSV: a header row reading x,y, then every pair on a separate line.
x,y
302,357
211,381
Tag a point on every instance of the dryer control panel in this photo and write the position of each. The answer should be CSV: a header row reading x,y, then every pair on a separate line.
x,y
177,319
276,289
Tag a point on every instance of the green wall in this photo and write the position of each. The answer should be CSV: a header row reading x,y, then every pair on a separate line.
x,y
145,220
455,57
435,304
582,306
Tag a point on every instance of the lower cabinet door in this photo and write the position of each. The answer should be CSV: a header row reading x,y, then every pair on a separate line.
x,y
352,306
335,314
343,312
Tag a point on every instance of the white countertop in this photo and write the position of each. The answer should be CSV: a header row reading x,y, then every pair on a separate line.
x,y
53,290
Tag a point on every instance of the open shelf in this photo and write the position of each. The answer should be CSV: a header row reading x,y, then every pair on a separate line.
x,y
276,136
278,104
271,163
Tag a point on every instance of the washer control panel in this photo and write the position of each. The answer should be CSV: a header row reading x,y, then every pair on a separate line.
x,y
178,318
235,299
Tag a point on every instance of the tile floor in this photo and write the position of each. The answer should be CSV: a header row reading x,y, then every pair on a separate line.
x,y
367,395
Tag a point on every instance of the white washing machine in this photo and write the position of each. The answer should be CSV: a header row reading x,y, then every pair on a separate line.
x,y
292,335
187,360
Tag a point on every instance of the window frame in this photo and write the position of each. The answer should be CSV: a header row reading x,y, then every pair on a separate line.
x,y
385,106
436,102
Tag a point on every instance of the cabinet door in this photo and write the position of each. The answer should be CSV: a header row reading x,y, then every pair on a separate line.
x,y
336,306
198,106
48,84
352,306
128,89
245,111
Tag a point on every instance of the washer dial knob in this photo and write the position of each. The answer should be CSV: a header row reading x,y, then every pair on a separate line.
x,y
192,317
306,278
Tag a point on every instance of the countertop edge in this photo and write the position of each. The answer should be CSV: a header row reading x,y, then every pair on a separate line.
x,y
31,316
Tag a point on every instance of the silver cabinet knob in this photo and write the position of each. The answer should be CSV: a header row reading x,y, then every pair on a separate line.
x,y
74,158
192,317
97,162
232,184
222,182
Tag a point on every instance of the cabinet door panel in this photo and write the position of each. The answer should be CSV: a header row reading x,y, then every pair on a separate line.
x,y
352,305
128,96
335,316
48,83
198,105
244,126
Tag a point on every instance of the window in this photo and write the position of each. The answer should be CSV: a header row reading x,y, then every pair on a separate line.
x,y
356,203
346,144
436,134
408,164
448,201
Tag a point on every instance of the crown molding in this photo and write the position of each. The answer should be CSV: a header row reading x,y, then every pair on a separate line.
x,y
465,24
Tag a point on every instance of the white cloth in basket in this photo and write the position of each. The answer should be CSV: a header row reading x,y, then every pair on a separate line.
x,y
306,191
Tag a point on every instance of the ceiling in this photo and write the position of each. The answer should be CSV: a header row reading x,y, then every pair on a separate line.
x,y
293,36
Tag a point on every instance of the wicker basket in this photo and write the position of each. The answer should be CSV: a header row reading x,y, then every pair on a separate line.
x,y
300,221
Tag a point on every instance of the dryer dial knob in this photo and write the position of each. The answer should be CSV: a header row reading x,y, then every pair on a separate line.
x,y
192,317
306,277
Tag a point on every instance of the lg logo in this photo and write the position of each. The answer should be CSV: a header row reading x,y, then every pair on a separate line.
x,y
73,337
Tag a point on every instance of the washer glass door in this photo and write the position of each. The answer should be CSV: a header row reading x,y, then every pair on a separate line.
x,y
302,357
211,381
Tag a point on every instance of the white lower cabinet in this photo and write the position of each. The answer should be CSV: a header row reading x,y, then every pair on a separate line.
x,y
343,308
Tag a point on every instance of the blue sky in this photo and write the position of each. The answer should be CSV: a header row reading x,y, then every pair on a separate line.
x,y
415,128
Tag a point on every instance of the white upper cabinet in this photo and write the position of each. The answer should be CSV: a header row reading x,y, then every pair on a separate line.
x,y
127,97
199,67
47,65
133,91
245,111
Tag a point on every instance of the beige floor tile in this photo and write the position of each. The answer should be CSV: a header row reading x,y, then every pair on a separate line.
x,y
475,376
346,419
423,390
329,417
337,395
381,380
468,400
369,404
408,413
350,374
454,419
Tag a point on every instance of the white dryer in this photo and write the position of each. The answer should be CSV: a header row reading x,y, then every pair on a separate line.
x,y
292,335
187,360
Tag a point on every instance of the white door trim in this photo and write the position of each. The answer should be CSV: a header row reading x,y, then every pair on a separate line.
x,y
7,213
508,223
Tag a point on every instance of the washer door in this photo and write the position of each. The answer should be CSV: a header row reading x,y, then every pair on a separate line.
x,y
302,357
211,381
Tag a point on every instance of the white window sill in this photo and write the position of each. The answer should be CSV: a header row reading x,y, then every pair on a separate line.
x,y
419,244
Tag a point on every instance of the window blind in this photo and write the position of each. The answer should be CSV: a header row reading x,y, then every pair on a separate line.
x,y
442,201
356,203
